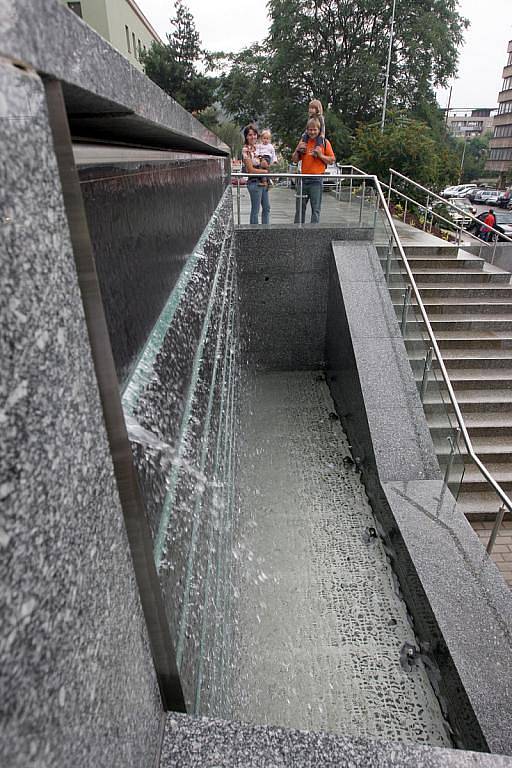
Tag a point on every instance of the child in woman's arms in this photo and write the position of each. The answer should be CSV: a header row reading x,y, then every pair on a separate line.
x,y
266,153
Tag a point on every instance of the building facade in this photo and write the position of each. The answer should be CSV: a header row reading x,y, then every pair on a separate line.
x,y
121,22
500,152
469,123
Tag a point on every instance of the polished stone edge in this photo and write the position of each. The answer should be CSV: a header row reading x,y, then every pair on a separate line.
x,y
54,41
204,743
461,606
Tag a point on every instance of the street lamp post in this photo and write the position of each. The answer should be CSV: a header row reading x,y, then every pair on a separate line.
x,y
391,31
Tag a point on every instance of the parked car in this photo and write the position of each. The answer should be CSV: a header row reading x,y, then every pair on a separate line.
x,y
481,195
451,217
330,174
503,223
459,190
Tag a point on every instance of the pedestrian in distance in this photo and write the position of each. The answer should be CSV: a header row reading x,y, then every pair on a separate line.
x,y
485,230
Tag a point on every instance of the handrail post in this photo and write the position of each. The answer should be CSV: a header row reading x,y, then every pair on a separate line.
x,y
351,184
363,192
459,235
454,443
390,184
376,213
238,201
300,202
389,257
405,309
494,249
426,371
405,211
426,213
496,528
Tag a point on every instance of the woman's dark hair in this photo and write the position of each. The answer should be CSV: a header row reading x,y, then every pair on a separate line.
x,y
250,127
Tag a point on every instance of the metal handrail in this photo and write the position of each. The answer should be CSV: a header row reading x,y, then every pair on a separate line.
x,y
433,213
381,200
429,192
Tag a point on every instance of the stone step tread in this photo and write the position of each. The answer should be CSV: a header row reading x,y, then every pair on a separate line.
x,y
475,396
483,287
473,318
473,420
470,334
469,374
478,501
501,472
464,300
481,445
462,272
468,354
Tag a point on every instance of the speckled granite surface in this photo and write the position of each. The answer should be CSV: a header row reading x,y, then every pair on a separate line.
x,y
48,37
77,685
203,743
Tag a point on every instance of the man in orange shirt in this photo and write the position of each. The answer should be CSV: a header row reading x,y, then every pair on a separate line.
x,y
315,159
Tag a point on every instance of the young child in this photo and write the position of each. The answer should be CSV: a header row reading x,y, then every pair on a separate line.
x,y
315,109
266,153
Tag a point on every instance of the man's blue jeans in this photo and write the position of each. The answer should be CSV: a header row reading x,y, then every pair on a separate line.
x,y
259,197
311,190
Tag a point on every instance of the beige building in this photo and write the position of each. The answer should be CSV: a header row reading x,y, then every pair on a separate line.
x,y
121,22
470,122
500,152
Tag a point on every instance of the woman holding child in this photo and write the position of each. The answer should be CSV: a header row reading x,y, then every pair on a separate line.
x,y
256,163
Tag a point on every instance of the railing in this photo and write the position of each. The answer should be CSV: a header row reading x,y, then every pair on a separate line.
x,y
359,184
459,228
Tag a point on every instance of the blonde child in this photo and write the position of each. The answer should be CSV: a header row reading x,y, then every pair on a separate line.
x,y
315,109
266,153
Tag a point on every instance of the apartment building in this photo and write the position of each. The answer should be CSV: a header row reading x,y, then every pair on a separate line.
x,y
470,122
500,152
121,22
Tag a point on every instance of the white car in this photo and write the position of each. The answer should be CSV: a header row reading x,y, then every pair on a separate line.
x,y
459,190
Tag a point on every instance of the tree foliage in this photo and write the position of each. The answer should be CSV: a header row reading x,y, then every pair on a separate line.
x,y
174,66
408,146
336,51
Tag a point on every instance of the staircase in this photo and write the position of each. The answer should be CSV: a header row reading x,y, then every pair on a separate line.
x,y
469,304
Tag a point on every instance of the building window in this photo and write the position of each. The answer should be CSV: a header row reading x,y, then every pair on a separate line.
x,y
76,8
127,31
140,48
500,154
502,131
507,84
505,106
134,46
509,62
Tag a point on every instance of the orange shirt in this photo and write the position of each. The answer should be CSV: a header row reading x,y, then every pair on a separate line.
x,y
311,164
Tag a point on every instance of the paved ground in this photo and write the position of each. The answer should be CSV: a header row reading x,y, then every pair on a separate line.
x,y
318,599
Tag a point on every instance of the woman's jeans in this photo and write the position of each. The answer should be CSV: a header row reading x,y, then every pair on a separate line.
x,y
311,190
259,196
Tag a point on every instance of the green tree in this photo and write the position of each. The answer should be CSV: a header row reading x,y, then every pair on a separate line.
x,y
408,146
477,149
174,65
244,88
336,50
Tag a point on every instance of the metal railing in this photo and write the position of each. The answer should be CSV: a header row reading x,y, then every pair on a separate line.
x,y
354,177
459,228
361,179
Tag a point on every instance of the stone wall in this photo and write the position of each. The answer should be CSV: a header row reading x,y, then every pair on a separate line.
x,y
77,684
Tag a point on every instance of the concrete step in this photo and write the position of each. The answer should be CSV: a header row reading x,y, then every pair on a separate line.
x,y
474,480
488,448
481,291
476,322
477,424
471,378
463,305
446,251
472,401
479,505
458,277
466,358
484,340
431,262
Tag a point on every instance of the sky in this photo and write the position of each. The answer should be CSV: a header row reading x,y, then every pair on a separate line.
x,y
230,25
